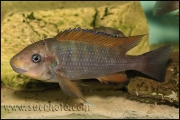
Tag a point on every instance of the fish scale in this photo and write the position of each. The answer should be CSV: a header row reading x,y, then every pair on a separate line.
x,y
85,63
81,54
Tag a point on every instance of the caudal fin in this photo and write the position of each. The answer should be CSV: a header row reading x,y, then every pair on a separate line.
x,y
155,62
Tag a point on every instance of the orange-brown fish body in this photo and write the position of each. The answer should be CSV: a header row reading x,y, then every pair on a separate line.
x,y
82,60
82,54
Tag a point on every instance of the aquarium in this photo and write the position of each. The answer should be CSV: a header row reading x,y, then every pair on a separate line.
x,y
147,42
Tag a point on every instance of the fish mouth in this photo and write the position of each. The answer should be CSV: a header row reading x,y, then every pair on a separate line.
x,y
18,70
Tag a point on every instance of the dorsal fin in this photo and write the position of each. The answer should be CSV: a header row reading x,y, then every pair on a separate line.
x,y
99,38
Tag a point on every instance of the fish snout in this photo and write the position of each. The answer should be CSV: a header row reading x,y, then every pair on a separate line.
x,y
16,65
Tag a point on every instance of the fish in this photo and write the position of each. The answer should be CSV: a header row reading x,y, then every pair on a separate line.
x,y
162,7
110,30
125,74
76,54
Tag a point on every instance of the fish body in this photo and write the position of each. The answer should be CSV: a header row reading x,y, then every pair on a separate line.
x,y
82,54
82,60
162,7
110,30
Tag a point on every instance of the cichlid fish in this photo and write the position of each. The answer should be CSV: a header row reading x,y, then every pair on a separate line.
x,y
110,30
82,54
162,7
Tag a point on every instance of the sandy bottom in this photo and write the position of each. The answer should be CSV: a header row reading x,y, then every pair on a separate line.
x,y
108,102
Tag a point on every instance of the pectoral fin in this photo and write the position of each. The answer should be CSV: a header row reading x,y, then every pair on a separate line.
x,y
69,87
114,78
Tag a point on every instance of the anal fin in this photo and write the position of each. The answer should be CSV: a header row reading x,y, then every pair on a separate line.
x,y
114,78
69,87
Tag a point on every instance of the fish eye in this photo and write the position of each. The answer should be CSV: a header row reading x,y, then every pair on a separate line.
x,y
36,58
115,35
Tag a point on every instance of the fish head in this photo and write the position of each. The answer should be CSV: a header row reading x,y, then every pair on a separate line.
x,y
34,61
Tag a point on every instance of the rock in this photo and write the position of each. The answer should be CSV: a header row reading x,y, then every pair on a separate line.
x,y
149,91
20,27
128,18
